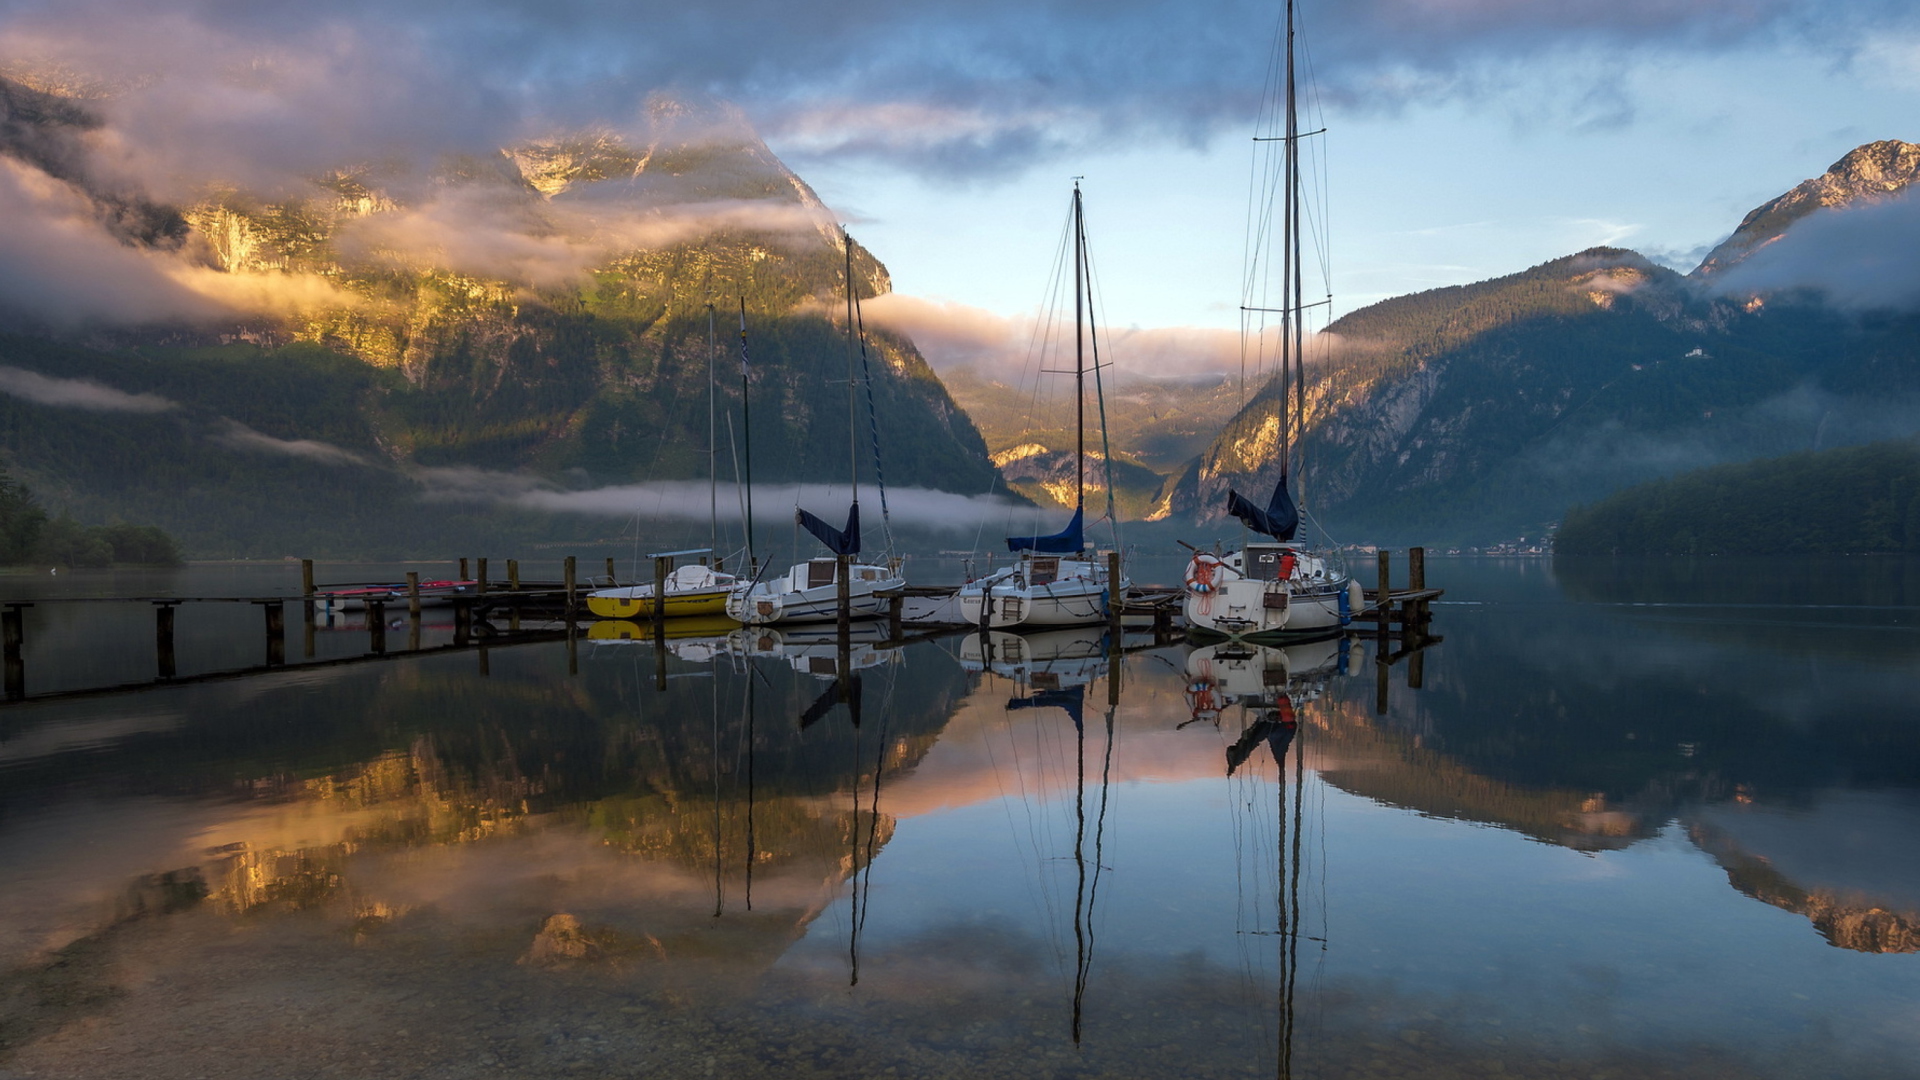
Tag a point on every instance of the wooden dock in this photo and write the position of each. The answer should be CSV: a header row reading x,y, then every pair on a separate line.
x,y
1396,617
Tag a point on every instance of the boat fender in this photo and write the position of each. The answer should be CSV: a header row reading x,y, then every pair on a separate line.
x,y
1353,598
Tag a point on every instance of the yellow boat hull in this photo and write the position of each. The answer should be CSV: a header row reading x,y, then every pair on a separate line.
x,y
679,605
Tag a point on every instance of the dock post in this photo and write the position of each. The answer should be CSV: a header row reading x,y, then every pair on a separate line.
x,y
13,631
377,627
513,575
570,589
482,567
659,598
612,579
843,571
306,601
1416,568
895,605
163,637
463,571
276,631
1115,601
462,621
1383,602
413,595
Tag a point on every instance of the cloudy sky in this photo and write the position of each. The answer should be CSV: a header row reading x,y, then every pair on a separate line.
x,y
1466,138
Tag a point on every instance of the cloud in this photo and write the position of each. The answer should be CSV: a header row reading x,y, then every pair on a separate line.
x,y
76,393
276,89
241,437
60,266
1860,257
686,500
506,234
952,335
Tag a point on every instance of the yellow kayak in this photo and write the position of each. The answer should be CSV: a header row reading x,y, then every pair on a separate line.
x,y
624,630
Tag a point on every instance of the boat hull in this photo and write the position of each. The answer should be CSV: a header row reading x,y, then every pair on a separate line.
x,y
679,605
1222,602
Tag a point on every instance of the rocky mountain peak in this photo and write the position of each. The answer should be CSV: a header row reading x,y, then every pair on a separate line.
x,y
1874,171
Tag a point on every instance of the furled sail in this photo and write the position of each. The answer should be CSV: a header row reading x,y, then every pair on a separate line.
x,y
1068,541
1279,520
839,541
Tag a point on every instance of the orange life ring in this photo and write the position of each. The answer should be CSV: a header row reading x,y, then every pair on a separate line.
x,y
1200,572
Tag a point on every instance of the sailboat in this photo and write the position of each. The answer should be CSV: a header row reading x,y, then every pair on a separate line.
x,y
1277,588
694,589
1056,581
812,591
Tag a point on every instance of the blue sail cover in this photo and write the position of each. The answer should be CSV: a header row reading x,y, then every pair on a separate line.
x,y
1070,699
1278,520
839,541
1067,541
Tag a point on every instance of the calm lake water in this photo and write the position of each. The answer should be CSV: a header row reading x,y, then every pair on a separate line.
x,y
1650,819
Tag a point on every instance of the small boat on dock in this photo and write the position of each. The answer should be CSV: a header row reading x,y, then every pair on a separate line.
x,y
357,597
694,589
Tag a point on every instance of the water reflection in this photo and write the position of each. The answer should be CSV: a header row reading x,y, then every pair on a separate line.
x,y
1593,841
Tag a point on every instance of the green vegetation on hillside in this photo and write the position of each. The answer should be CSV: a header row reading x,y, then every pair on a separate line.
x,y
1852,499
26,535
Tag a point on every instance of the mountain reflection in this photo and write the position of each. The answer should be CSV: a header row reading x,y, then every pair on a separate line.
x,y
1027,845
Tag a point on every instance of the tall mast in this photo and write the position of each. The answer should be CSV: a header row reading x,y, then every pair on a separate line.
x,y
746,436
713,460
1079,359
1289,253
853,380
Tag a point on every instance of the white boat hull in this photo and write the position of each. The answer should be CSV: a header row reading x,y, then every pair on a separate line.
x,y
1222,599
793,598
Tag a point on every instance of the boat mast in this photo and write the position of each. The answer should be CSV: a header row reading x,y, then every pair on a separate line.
x,y
746,436
713,459
1289,253
853,381
1079,359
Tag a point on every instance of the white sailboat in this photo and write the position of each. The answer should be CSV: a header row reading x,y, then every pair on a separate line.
x,y
1278,588
818,589
1058,580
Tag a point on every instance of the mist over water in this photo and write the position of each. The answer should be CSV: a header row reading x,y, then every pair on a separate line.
x,y
1640,818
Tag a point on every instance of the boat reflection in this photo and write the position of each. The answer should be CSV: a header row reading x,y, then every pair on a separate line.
x,y
1051,659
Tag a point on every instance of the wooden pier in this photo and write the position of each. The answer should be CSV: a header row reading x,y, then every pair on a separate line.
x,y
1400,621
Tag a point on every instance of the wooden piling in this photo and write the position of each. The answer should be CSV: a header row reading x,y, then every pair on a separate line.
x,y
462,621
513,575
463,571
306,601
1383,600
377,627
276,617
895,605
306,578
568,572
163,638
660,563
482,567
612,579
843,571
13,637
1416,568
413,595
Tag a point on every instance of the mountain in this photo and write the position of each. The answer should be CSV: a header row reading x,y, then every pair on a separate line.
x,y
1845,500
1867,173
1155,427
1482,412
347,346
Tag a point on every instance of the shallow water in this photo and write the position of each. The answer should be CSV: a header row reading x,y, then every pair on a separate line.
x,y
1639,819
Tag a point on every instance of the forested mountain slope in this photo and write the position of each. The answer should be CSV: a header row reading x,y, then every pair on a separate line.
x,y
541,313
1482,412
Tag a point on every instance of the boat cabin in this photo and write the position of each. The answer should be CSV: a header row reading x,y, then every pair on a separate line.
x,y
1270,562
